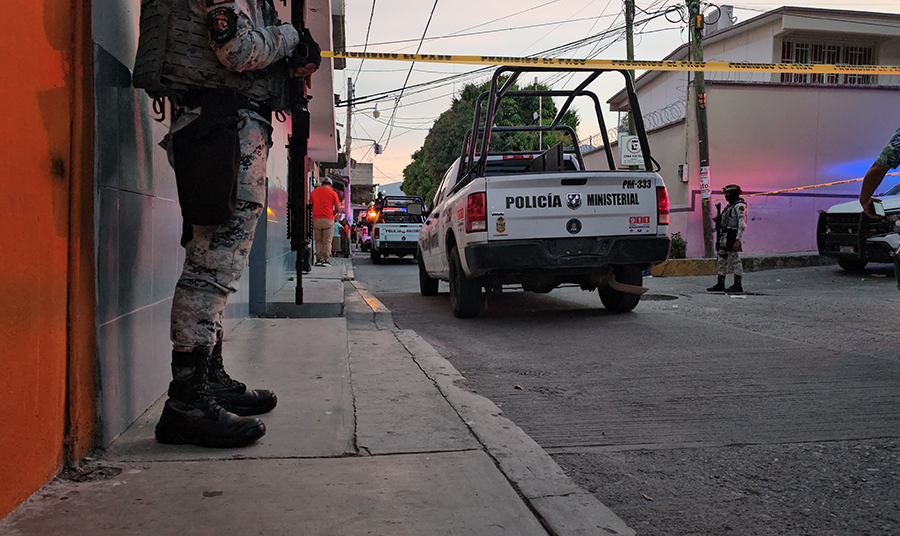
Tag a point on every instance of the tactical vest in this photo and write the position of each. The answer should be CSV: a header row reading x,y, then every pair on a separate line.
x,y
174,55
730,216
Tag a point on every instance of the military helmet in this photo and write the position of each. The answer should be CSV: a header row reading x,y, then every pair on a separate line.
x,y
732,189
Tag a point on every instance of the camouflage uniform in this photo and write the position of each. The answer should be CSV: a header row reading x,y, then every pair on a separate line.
x,y
248,39
733,223
890,155
206,406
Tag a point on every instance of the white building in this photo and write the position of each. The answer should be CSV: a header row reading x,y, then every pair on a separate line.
x,y
769,131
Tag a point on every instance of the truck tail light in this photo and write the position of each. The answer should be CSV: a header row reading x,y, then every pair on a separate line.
x,y
476,213
377,233
662,206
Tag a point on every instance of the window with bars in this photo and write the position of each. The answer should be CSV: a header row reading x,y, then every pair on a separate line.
x,y
799,52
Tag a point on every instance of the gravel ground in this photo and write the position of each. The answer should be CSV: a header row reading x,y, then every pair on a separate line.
x,y
822,489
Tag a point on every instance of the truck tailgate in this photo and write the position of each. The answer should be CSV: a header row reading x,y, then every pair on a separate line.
x,y
399,232
559,205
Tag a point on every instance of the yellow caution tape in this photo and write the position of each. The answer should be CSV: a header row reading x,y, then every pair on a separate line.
x,y
814,186
706,66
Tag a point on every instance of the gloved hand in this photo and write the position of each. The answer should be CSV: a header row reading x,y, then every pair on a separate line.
x,y
308,54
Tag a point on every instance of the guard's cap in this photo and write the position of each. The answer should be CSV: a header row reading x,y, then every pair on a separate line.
x,y
731,189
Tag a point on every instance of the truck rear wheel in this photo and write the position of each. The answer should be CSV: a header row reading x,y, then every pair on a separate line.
x,y
427,285
621,302
465,294
376,257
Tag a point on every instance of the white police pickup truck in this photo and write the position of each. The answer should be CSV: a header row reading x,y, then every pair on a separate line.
x,y
539,219
844,232
396,229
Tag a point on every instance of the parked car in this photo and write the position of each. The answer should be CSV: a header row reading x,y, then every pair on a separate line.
x,y
844,232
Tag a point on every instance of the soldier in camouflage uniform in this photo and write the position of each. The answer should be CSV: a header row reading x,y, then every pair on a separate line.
x,y
206,406
732,223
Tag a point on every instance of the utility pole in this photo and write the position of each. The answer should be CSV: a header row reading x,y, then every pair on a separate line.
x,y
540,117
695,19
347,210
629,49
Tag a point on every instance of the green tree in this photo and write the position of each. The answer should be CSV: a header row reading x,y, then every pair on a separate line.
x,y
444,142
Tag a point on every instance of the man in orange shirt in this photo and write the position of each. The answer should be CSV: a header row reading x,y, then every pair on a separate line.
x,y
326,203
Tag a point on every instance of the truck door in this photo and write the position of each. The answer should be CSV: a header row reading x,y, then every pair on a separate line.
x,y
434,228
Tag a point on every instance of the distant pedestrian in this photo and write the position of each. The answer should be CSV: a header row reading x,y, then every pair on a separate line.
x,y
345,237
360,234
326,203
731,225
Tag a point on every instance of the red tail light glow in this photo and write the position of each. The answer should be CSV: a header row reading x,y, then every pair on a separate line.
x,y
476,213
377,233
662,205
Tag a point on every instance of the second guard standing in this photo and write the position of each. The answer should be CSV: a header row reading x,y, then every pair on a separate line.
x,y
730,226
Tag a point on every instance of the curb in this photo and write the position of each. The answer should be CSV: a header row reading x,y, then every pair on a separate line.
x,y
752,263
563,507
384,319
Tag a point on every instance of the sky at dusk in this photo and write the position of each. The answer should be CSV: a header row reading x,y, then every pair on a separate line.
x,y
499,27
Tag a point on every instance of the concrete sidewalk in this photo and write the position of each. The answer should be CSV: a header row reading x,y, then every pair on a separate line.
x,y
752,263
374,434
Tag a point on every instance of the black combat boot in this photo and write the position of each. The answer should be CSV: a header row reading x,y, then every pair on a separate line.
x,y
719,286
191,414
234,395
736,288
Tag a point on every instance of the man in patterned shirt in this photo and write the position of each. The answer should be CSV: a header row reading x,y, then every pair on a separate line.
x,y
887,160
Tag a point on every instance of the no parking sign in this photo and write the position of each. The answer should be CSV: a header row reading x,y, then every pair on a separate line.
x,y
630,150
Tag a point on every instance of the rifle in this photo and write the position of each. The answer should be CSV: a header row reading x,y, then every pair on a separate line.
x,y
718,221
298,144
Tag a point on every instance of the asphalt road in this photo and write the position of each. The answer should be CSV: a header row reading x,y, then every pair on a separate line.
x,y
776,413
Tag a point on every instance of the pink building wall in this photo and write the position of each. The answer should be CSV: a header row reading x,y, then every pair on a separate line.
x,y
768,137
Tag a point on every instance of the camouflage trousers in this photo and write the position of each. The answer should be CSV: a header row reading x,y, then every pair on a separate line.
x,y
217,255
729,261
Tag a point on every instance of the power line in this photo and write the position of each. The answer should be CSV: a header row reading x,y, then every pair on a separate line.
x,y
561,49
428,86
411,65
554,78
513,28
507,16
554,29
366,45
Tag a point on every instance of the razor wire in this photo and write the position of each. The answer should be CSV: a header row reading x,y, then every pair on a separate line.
x,y
657,119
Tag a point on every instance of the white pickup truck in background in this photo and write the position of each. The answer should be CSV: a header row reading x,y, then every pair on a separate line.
x,y
540,220
396,228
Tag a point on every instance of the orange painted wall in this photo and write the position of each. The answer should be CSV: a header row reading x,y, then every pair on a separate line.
x,y
41,96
